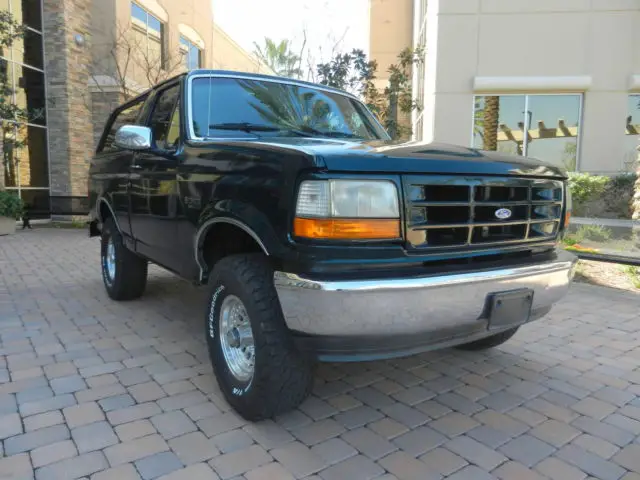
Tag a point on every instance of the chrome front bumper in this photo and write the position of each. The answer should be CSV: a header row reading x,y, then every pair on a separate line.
x,y
425,311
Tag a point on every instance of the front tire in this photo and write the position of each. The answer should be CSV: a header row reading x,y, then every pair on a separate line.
x,y
489,342
259,371
124,273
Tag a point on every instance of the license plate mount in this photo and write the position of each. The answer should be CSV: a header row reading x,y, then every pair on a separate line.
x,y
509,308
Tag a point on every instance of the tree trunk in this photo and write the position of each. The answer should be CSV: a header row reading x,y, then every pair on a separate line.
x,y
490,123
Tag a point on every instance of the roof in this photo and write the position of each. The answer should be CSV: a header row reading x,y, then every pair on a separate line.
x,y
262,76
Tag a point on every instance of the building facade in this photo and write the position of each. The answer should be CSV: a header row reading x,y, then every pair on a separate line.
x,y
556,80
75,62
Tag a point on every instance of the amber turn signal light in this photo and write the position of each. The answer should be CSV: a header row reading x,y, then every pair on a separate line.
x,y
347,229
567,219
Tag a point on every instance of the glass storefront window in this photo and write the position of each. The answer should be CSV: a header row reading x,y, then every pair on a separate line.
x,y
25,155
632,131
28,50
30,93
28,12
542,126
23,132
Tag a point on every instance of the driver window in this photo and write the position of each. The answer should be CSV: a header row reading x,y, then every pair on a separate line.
x,y
165,119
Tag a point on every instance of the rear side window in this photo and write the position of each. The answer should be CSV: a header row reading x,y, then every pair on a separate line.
x,y
127,116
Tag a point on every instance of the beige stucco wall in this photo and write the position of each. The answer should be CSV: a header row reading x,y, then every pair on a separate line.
x,y
393,32
545,41
228,55
519,38
393,20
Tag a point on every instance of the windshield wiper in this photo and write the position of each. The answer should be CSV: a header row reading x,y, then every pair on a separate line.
x,y
301,131
244,126
339,134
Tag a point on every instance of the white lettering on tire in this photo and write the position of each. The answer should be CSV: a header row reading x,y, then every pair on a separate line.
x,y
212,308
238,392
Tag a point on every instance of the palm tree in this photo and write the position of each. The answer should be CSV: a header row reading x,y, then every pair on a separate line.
x,y
490,122
279,57
288,107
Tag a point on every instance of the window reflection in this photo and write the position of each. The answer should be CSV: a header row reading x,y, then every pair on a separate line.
x,y
542,126
28,12
283,107
499,123
148,32
632,131
28,50
191,53
23,133
30,94
553,129
24,149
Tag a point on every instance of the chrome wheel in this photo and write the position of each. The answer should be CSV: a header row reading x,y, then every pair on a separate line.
x,y
110,260
236,339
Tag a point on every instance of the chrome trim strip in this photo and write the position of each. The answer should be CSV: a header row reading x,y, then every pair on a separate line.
x,y
113,214
205,227
293,281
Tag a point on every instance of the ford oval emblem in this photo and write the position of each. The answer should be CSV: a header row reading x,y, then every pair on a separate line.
x,y
503,213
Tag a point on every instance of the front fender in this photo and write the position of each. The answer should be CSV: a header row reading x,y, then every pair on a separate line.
x,y
244,216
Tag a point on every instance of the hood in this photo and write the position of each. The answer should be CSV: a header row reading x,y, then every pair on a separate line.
x,y
411,157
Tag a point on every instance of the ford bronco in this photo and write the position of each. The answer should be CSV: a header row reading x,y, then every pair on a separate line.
x,y
319,238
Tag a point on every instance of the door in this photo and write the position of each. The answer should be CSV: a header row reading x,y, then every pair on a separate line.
x,y
110,168
153,195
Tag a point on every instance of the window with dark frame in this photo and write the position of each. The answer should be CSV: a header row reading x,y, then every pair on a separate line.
x,y
192,53
154,32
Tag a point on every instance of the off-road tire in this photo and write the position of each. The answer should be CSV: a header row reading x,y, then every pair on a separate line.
x,y
282,377
489,342
130,277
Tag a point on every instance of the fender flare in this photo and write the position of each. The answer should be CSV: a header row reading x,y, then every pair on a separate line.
x,y
100,201
206,226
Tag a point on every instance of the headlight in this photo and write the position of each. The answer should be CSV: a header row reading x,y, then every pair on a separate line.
x,y
347,209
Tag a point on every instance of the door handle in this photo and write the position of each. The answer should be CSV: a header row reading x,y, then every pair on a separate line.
x,y
136,167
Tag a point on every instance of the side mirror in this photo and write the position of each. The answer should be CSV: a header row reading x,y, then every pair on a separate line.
x,y
133,137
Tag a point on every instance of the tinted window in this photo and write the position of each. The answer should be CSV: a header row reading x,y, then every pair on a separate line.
x,y
284,107
191,53
164,133
128,116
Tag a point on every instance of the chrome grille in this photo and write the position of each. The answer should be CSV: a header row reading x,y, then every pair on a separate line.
x,y
451,211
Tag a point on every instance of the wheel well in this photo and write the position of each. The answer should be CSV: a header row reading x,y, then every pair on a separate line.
x,y
224,239
105,212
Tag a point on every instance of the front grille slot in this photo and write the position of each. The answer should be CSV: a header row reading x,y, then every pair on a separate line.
x,y
445,211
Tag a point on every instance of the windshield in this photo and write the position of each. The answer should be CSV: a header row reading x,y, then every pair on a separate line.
x,y
224,107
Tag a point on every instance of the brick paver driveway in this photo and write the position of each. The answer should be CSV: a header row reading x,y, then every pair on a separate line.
x,y
95,388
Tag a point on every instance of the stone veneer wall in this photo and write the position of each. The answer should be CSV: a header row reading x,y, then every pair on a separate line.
x,y
103,103
69,103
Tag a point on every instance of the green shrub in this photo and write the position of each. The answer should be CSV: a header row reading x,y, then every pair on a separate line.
x,y
585,187
602,196
570,240
10,205
595,233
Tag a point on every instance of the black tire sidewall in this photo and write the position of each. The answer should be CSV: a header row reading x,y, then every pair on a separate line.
x,y
221,286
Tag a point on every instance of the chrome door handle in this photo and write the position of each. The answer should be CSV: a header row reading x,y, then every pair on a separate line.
x,y
136,167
